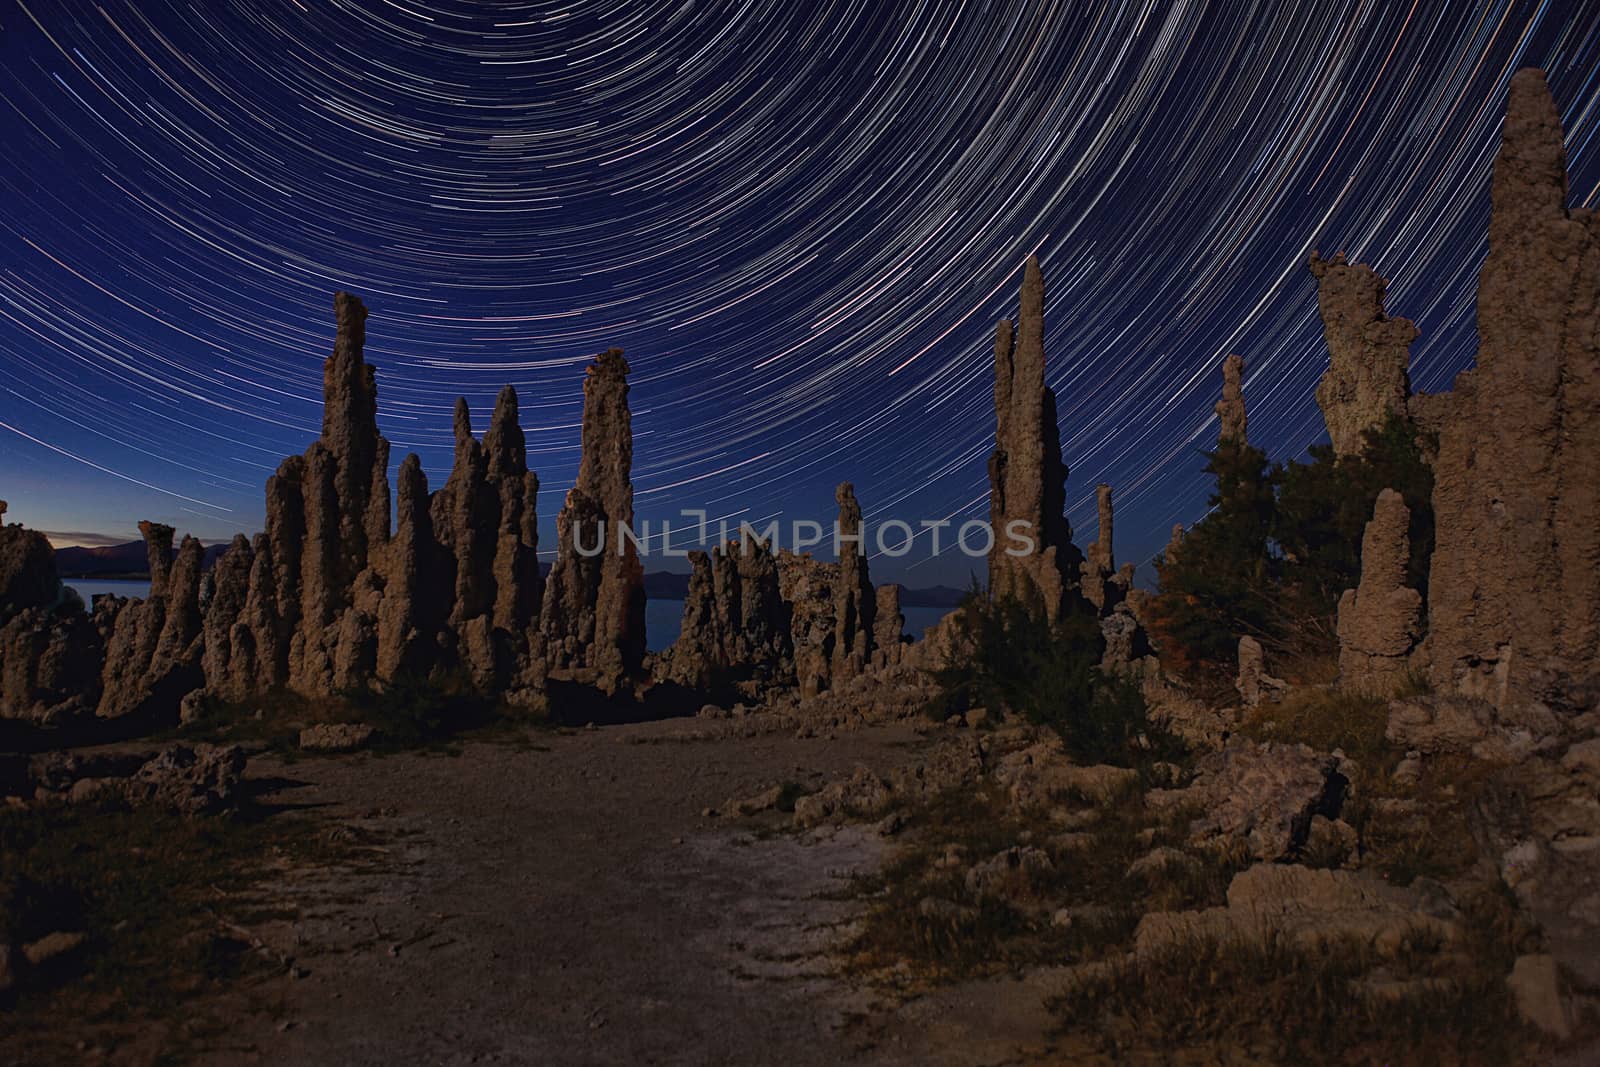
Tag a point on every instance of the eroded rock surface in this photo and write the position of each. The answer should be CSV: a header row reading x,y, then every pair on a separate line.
x,y
593,618
1369,355
1378,620
1027,478
1514,590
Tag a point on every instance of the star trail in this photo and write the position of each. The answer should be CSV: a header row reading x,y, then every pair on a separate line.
x,y
800,220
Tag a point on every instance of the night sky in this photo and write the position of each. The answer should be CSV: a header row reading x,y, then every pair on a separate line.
x,y
801,221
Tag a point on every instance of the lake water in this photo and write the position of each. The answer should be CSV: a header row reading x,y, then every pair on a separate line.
x,y
89,588
661,617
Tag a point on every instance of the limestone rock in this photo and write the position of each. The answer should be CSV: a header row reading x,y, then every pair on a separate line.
x,y
464,513
229,675
697,653
1514,590
1027,478
1368,353
336,737
888,626
1040,773
1254,683
862,795
1301,907
807,586
189,781
1536,984
27,570
1232,420
1378,620
49,666
1099,563
412,612
1010,875
153,647
594,616
1265,795
516,580
735,625
854,602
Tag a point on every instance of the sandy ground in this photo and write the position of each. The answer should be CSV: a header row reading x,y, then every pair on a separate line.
x,y
571,904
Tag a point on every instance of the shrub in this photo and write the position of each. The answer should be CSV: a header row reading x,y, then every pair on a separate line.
x,y
410,710
1278,549
1048,674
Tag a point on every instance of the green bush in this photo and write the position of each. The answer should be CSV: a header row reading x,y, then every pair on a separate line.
x,y
1022,665
1279,547
410,710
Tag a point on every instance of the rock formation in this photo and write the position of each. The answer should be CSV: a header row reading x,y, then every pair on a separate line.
x,y
1253,682
50,649
1233,422
1368,353
1027,478
1378,619
735,624
697,653
854,602
807,586
1514,588
1099,563
153,647
888,626
593,618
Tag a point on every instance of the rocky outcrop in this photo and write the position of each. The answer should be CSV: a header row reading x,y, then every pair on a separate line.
x,y
807,586
696,655
888,626
1378,620
1263,796
1369,354
1514,588
1253,683
50,649
1233,423
735,625
1027,478
854,602
1302,907
27,569
328,522
153,647
230,672
1099,562
593,618
412,615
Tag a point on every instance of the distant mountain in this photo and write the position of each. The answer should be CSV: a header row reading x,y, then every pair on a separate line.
x,y
117,561
130,561
936,596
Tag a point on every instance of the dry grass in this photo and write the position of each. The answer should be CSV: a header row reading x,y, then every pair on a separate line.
x,y
981,936
164,902
1326,719
1288,1004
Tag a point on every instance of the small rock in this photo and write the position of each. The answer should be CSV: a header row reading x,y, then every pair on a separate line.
x,y
336,737
1536,983
1008,875
891,824
51,946
764,801
1161,860
1408,772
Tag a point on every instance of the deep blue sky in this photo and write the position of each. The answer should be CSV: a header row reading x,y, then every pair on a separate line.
x,y
800,221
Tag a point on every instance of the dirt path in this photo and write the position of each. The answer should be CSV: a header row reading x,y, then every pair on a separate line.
x,y
572,905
